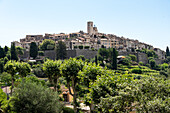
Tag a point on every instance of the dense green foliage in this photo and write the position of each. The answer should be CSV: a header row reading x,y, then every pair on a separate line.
x,y
52,70
70,69
33,50
130,87
30,97
46,45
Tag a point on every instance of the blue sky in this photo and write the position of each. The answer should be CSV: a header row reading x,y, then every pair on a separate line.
x,y
145,20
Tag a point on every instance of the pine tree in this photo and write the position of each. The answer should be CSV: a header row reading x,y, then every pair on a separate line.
x,y
13,52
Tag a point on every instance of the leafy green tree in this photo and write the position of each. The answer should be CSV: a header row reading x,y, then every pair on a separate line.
x,y
61,50
45,43
152,63
13,52
11,68
52,70
112,93
19,50
70,69
32,97
152,95
103,52
5,78
88,75
3,98
33,50
167,51
23,69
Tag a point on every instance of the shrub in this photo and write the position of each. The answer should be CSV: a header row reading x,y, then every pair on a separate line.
x,y
30,97
133,57
86,47
137,71
81,47
50,47
41,53
141,63
68,110
75,47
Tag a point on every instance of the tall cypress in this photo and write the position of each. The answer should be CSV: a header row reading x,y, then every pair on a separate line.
x,y
14,55
2,53
114,59
96,59
33,50
167,51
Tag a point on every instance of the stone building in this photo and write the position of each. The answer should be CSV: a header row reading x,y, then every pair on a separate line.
x,y
91,40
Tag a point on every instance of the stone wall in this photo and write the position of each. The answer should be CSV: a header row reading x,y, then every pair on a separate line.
x,y
87,53
50,54
141,57
25,56
158,61
71,53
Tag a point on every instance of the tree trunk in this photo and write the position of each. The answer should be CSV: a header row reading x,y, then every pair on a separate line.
x,y
91,107
12,84
74,96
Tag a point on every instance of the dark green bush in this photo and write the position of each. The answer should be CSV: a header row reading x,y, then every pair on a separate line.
x,y
86,47
68,110
80,47
41,53
75,47
137,71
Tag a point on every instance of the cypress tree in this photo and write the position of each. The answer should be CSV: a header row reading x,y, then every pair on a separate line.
x,y
61,50
2,53
6,49
114,59
33,50
96,59
167,51
13,52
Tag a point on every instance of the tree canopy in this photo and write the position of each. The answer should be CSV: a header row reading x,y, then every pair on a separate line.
x,y
47,44
31,97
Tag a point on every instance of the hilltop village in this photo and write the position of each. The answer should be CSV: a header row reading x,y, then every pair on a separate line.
x,y
92,40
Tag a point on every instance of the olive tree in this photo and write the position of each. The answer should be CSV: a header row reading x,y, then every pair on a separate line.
x,y
11,68
70,69
33,97
52,70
